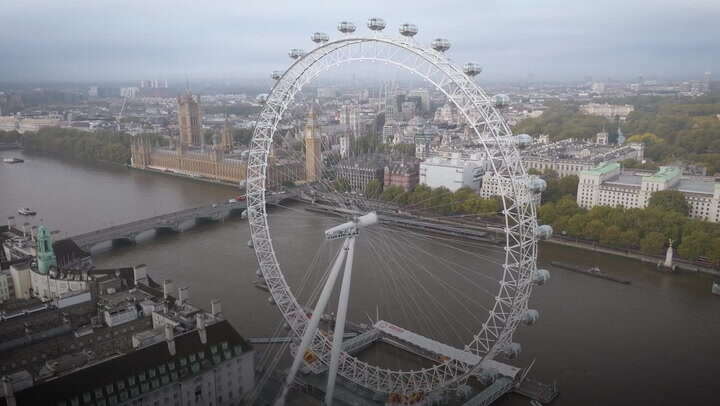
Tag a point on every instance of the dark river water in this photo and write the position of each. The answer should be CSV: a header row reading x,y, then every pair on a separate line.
x,y
655,342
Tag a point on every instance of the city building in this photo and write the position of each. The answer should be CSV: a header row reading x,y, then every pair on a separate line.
x,y
210,366
403,174
211,165
189,120
313,151
357,173
601,138
452,173
570,157
6,286
609,185
29,124
492,186
388,133
610,111
129,92
423,95
116,337
226,140
154,84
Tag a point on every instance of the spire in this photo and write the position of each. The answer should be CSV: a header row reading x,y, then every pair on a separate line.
x,y
311,123
44,249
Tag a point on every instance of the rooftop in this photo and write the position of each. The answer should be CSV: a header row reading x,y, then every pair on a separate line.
x,y
140,371
603,168
664,174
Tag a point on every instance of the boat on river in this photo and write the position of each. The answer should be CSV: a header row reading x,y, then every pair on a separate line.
x,y
26,211
13,160
592,271
716,288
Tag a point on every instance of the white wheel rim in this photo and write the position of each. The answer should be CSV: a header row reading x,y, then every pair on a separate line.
x,y
495,137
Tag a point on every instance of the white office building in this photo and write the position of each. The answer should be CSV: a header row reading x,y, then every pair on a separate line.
x,y
453,173
610,185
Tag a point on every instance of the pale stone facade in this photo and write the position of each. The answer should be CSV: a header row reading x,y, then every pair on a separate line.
x,y
189,120
609,185
313,152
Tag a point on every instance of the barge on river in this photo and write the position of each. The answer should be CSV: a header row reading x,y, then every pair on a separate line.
x,y
594,271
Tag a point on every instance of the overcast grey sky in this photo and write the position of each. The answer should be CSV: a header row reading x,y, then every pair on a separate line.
x,y
244,39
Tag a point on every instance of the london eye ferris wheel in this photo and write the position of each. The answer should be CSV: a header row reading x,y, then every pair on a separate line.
x,y
494,289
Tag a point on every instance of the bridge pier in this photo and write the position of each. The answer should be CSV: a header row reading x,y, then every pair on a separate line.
x,y
169,228
121,241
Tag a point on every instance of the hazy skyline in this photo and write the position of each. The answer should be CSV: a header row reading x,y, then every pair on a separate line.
x,y
87,40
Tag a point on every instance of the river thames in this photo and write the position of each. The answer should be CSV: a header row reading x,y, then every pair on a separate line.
x,y
655,341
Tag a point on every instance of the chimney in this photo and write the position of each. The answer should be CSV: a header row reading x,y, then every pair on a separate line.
x,y
200,321
167,287
170,338
216,308
8,391
183,295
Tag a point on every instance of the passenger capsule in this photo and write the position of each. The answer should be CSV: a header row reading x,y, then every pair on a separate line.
x,y
501,100
320,38
276,75
512,350
258,273
296,53
530,317
250,244
261,98
408,30
472,69
523,139
346,27
544,232
376,24
488,375
540,276
537,185
440,44
271,300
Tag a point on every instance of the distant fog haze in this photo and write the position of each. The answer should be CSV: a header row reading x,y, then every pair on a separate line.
x,y
90,40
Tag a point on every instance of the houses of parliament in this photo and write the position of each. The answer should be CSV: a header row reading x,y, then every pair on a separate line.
x,y
189,154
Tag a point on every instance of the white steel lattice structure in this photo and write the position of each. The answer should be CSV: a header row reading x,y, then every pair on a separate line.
x,y
519,272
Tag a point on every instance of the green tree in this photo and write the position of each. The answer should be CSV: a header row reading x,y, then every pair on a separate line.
x,y
696,244
653,243
557,188
373,189
646,138
341,185
671,200
611,236
392,193
629,239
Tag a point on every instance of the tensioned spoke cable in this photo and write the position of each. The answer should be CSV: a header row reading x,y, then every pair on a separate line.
x,y
398,291
419,265
449,265
409,290
392,256
271,359
452,265
393,286
429,237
